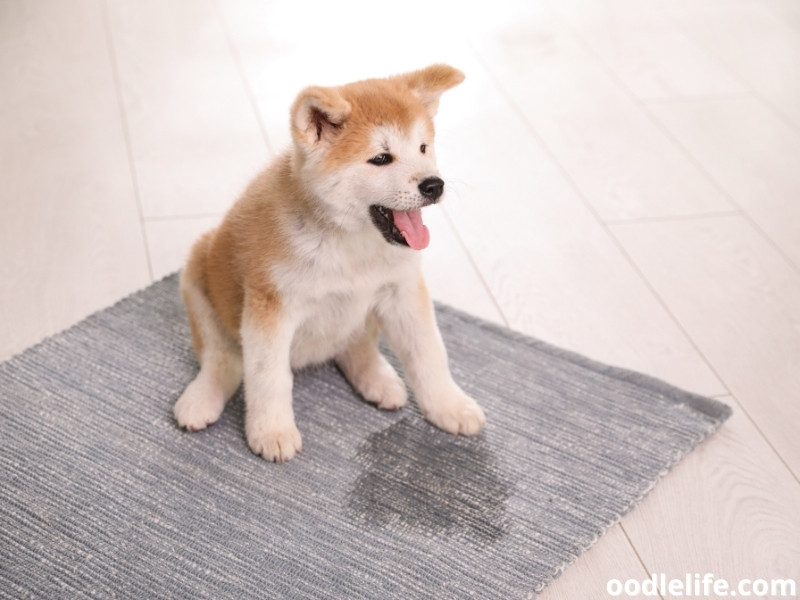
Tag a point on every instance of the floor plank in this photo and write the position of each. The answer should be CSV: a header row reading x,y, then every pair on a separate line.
x,y
731,493
169,240
451,276
618,158
740,304
761,43
646,52
750,153
195,137
612,557
70,235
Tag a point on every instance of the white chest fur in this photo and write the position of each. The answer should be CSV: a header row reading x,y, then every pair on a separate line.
x,y
331,288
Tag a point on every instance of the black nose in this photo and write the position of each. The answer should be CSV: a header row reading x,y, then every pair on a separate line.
x,y
431,188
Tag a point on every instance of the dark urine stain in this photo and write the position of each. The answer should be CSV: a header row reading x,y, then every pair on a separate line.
x,y
415,476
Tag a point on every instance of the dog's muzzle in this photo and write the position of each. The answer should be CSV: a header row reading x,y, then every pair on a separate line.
x,y
406,228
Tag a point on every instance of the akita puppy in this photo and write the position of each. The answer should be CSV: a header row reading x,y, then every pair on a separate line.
x,y
319,255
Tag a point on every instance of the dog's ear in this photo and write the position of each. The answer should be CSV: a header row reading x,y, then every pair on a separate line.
x,y
317,114
429,83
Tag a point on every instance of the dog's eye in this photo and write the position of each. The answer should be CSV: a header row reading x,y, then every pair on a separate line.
x,y
423,147
381,159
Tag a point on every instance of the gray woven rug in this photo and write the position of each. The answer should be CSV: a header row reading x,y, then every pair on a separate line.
x,y
102,496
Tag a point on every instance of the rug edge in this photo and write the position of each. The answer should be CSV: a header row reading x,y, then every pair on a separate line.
x,y
715,410
92,315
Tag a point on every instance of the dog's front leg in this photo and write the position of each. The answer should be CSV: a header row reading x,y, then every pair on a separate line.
x,y
407,319
266,344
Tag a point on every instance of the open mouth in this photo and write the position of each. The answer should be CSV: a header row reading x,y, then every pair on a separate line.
x,y
403,227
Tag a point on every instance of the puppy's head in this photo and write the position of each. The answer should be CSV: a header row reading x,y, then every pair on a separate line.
x,y
365,151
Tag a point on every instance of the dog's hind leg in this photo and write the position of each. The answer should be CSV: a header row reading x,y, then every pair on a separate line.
x,y
220,355
369,372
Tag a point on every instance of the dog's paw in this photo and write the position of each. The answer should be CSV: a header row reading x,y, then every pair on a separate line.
x,y
456,413
384,388
274,441
198,407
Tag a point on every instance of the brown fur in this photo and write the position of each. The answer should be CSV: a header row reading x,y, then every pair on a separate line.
x,y
226,260
297,273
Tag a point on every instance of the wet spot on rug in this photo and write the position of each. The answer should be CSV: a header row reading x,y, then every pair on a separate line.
x,y
416,476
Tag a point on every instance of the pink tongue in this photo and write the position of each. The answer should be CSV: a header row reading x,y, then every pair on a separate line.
x,y
413,229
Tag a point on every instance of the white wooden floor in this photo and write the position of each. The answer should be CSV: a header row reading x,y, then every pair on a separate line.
x,y
623,176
